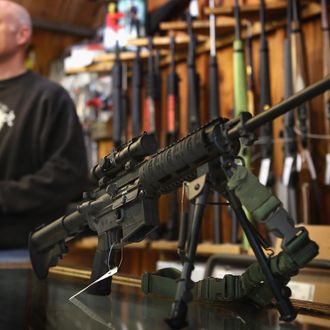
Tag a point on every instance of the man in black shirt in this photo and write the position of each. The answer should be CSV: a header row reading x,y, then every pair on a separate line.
x,y
42,154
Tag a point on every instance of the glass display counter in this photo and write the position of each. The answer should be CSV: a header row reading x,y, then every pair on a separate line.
x,y
27,303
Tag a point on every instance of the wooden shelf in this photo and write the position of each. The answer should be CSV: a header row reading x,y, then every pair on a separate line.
x,y
89,243
251,12
225,37
181,41
205,248
95,67
104,62
224,25
126,56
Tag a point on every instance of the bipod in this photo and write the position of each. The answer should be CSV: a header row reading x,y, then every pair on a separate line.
x,y
183,294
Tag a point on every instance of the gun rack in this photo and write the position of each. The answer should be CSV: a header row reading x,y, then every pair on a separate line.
x,y
225,35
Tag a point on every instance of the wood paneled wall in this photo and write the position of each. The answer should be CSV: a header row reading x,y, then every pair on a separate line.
x,y
49,46
312,33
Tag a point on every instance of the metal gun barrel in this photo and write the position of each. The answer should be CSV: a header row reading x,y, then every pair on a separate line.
x,y
166,170
281,108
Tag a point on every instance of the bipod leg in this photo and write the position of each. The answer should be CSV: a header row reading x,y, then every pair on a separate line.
x,y
280,291
183,295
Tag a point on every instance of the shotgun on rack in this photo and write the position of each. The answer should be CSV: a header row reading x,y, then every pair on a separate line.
x,y
124,207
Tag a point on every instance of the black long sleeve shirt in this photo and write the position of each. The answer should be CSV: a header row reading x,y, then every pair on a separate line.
x,y
42,154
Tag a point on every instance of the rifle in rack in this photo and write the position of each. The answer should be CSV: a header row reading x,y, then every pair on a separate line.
x,y
266,174
136,93
289,173
251,88
310,194
124,209
117,100
172,123
124,103
240,100
193,80
326,71
150,108
214,111
193,123
158,90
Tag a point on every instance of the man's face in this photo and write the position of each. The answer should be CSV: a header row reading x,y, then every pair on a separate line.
x,y
10,34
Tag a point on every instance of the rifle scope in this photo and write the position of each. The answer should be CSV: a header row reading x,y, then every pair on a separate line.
x,y
135,150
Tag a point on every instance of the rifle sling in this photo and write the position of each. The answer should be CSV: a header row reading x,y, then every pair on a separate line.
x,y
251,285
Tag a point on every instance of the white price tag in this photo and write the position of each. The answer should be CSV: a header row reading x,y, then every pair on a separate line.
x,y
193,8
327,170
299,163
87,310
264,171
308,158
287,170
302,291
110,273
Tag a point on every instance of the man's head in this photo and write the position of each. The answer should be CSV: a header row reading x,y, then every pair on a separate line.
x,y
15,30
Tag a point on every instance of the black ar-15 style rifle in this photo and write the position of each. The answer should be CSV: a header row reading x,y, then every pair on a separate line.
x,y
124,209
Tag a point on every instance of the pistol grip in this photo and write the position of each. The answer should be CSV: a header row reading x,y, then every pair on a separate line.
x,y
100,267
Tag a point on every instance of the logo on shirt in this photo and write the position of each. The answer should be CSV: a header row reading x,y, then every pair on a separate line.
x,y
7,116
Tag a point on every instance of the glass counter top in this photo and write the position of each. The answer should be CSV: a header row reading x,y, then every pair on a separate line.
x,y
28,303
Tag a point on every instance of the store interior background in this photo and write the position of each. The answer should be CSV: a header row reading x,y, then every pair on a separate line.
x,y
58,25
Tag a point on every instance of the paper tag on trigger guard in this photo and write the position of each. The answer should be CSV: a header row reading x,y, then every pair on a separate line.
x,y
110,273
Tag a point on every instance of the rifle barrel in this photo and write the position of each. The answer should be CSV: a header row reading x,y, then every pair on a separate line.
x,y
281,108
